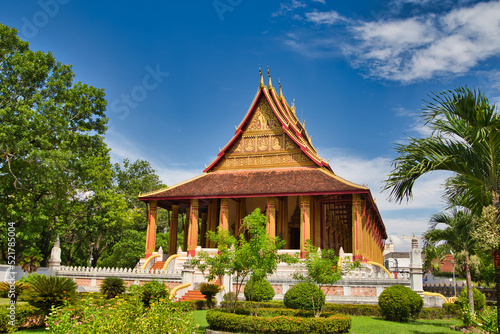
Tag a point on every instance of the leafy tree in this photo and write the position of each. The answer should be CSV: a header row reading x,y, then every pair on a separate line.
x,y
132,178
127,252
242,258
465,141
320,268
458,237
52,151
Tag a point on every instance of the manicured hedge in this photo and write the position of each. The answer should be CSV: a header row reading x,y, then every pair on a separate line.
x,y
279,324
449,310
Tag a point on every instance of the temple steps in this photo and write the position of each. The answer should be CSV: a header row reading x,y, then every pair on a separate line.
x,y
192,295
158,265
196,294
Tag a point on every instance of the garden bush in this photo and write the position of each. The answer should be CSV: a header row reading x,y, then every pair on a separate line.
x,y
479,298
46,292
399,303
487,319
301,297
150,292
288,323
230,297
122,315
196,304
258,290
24,316
112,287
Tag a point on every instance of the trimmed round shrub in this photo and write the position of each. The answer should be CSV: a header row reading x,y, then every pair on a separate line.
x,y
301,296
399,303
112,287
479,298
258,290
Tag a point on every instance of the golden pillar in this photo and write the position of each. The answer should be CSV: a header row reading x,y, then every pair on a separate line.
x,y
356,226
224,214
305,223
271,217
193,228
151,233
174,220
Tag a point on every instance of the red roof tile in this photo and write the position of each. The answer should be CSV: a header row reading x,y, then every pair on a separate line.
x,y
247,183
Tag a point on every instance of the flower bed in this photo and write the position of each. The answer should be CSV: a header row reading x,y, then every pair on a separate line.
x,y
279,321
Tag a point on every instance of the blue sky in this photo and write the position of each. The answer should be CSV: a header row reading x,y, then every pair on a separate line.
x,y
179,75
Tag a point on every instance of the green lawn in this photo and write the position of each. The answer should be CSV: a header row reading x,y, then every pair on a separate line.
x,y
200,319
375,325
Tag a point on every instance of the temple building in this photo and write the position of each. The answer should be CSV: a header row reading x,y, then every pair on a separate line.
x,y
270,163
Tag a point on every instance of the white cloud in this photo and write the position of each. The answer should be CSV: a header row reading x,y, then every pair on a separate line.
x,y
312,46
421,48
286,8
328,18
403,245
427,191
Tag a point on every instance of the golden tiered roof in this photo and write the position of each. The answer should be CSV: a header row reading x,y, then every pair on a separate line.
x,y
270,136
269,154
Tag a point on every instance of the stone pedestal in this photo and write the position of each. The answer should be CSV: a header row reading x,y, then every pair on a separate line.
x,y
416,272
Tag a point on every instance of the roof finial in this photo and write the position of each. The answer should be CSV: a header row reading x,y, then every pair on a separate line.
x,y
293,105
281,91
269,75
261,79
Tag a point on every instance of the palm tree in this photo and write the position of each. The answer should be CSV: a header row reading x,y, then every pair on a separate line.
x,y
465,141
458,237
434,256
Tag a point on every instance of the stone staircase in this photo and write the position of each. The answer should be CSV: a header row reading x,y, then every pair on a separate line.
x,y
196,294
192,295
157,266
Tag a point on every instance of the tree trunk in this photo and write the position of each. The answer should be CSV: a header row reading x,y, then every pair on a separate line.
x,y
470,295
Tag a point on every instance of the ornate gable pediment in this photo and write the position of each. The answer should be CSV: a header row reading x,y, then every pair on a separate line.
x,y
270,136
263,144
